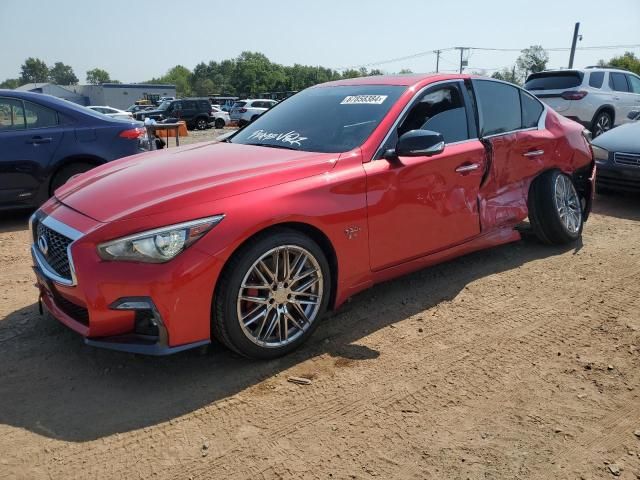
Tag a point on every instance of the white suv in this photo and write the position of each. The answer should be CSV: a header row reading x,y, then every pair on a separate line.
x,y
598,98
246,111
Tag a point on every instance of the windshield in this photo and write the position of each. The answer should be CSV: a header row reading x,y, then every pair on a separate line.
x,y
164,105
322,119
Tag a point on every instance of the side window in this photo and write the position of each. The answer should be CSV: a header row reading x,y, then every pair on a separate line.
x,y
11,115
38,116
498,107
176,106
634,83
531,110
596,79
618,82
441,110
189,105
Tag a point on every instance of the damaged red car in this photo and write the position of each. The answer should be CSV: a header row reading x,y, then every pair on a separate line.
x,y
252,239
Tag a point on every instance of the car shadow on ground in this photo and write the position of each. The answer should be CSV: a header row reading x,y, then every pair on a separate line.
x,y
618,204
55,386
14,221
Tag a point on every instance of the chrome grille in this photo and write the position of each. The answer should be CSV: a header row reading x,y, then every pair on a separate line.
x,y
627,159
56,253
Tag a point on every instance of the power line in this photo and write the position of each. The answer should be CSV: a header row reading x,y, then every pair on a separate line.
x,y
433,52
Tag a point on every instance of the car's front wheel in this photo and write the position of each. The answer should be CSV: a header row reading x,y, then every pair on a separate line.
x,y
271,295
555,208
219,123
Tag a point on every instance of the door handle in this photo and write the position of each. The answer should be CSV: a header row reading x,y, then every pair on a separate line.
x,y
38,140
468,168
533,153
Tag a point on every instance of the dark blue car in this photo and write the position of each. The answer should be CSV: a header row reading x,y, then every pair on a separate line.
x,y
44,141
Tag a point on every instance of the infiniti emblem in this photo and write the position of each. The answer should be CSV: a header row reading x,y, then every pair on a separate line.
x,y
43,246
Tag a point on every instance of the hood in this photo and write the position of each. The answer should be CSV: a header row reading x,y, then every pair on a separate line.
x,y
176,178
625,138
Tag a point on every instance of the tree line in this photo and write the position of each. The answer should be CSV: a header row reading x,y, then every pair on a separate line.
x,y
252,73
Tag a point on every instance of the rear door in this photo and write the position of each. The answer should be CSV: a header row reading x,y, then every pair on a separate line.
x,y
30,134
512,126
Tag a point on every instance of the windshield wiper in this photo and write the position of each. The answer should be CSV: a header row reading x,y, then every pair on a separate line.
x,y
284,147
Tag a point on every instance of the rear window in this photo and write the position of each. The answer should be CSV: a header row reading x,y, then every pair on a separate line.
x,y
553,80
596,79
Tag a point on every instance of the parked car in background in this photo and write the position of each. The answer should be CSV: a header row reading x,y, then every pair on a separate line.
x,y
139,108
195,112
112,112
245,111
45,140
597,98
251,240
617,155
220,118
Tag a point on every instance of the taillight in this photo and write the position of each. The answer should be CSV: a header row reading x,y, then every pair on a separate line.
x,y
132,134
574,94
243,110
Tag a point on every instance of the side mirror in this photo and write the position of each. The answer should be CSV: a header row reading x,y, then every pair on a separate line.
x,y
634,115
418,143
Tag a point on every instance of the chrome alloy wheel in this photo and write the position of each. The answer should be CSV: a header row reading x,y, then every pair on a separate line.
x,y
603,124
280,296
568,204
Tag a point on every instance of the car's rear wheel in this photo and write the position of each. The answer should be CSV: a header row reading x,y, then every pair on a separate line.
x,y
219,123
271,295
555,208
67,172
602,122
201,123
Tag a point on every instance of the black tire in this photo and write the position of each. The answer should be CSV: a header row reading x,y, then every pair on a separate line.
x,y
602,122
219,123
544,214
225,324
63,175
201,123
253,119
242,123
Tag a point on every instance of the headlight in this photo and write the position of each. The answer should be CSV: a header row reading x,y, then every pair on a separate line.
x,y
159,245
600,154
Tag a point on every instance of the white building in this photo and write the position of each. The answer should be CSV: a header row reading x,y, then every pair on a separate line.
x,y
117,95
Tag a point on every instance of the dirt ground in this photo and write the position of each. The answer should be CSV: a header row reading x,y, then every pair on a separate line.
x,y
518,362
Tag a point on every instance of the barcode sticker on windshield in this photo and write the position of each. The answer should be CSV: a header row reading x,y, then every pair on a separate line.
x,y
363,100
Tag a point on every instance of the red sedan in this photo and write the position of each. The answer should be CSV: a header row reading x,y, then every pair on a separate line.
x,y
250,240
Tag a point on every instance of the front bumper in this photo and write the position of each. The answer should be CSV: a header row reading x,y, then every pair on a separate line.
x,y
618,177
153,309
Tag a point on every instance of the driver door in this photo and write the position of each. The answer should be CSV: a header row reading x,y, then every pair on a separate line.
x,y
420,205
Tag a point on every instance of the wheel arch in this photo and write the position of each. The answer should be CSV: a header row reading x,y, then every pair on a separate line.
x,y
605,108
71,159
307,229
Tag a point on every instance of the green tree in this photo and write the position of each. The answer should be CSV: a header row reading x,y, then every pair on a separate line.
x,y
34,70
97,76
11,83
628,61
532,60
62,74
507,75
405,71
180,77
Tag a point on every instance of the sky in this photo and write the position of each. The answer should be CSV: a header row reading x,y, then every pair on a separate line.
x,y
137,40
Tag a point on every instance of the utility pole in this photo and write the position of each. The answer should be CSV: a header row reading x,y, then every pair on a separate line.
x,y
573,44
437,52
462,62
